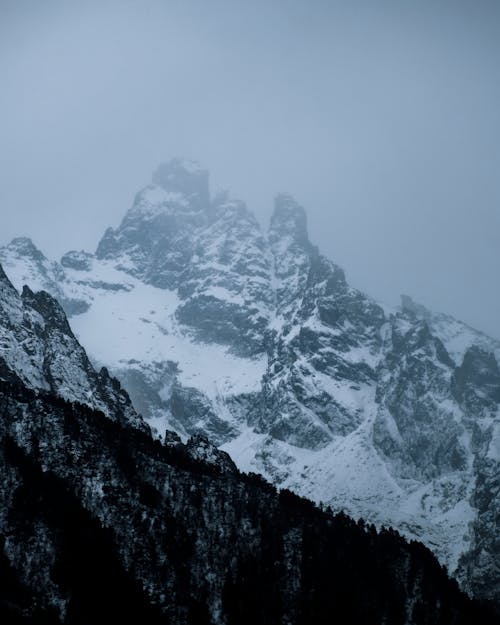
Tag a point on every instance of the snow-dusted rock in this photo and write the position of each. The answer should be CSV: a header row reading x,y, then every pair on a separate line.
x,y
38,348
259,342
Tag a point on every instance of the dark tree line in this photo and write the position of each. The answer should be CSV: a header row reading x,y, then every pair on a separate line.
x,y
303,565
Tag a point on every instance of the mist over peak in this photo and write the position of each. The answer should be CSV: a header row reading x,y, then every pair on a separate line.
x,y
185,177
381,120
288,217
25,246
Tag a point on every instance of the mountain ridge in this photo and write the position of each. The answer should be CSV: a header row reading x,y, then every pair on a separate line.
x,y
101,522
261,343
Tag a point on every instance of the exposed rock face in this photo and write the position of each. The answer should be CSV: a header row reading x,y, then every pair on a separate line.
x,y
101,523
39,350
81,261
477,386
326,336
259,342
416,428
155,240
226,292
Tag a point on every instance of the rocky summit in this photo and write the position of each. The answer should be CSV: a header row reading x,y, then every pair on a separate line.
x,y
258,342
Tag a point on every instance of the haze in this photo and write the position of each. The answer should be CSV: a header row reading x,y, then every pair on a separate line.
x,y
382,118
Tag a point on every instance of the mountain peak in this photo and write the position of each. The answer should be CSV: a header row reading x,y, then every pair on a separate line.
x,y
288,219
408,305
154,231
184,177
24,246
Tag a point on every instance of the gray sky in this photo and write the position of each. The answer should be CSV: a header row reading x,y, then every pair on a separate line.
x,y
382,118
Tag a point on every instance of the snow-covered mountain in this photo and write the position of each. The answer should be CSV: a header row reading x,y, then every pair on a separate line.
x,y
39,350
101,523
258,341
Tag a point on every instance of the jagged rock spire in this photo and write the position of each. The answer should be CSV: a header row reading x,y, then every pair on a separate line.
x,y
185,177
288,220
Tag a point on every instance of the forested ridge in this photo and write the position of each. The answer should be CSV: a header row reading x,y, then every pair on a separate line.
x,y
102,523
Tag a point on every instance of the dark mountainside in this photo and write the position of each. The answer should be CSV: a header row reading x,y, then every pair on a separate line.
x,y
99,522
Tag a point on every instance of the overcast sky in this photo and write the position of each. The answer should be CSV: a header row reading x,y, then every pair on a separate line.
x,y
382,118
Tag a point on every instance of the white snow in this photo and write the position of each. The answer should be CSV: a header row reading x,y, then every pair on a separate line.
x,y
349,475
38,275
139,325
458,337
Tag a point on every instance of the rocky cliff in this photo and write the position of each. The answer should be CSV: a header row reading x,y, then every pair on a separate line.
x,y
258,341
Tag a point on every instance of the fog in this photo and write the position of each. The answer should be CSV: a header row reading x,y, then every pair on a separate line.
x,y
382,118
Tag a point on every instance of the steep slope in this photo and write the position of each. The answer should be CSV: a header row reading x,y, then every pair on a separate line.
x,y
100,523
326,340
260,343
38,348
25,264
154,241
